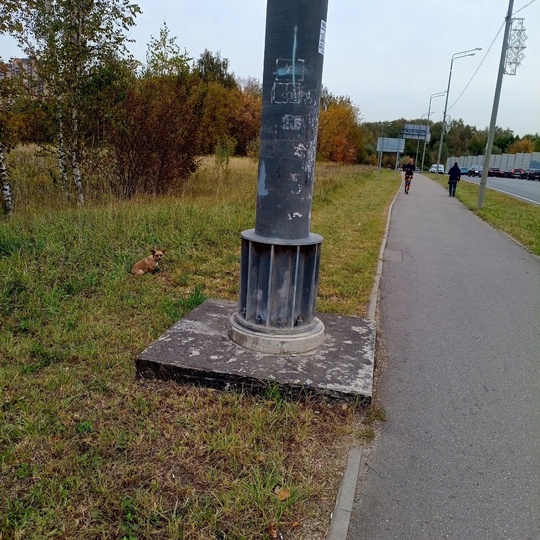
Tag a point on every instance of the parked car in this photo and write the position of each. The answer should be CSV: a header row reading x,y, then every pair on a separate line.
x,y
495,171
516,173
533,174
433,169
475,170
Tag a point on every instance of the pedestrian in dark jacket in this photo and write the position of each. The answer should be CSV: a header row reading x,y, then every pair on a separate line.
x,y
454,177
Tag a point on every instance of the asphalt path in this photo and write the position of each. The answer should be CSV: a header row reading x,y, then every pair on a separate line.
x,y
525,190
459,454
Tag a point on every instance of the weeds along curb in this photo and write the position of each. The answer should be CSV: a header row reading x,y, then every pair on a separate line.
x,y
339,525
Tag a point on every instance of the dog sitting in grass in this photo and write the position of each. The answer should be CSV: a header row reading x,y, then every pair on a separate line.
x,y
148,264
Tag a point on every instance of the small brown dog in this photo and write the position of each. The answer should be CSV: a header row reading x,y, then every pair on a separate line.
x,y
148,264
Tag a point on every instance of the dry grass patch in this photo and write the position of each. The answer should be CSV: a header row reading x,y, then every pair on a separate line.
x,y
352,231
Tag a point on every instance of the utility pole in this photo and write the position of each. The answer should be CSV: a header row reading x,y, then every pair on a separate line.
x,y
489,145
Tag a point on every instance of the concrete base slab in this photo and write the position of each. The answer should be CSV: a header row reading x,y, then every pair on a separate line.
x,y
197,350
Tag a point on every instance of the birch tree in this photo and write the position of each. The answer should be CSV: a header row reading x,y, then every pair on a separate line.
x,y
6,94
67,39
7,200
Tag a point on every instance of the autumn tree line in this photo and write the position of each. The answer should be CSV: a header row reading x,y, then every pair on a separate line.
x,y
143,126
460,140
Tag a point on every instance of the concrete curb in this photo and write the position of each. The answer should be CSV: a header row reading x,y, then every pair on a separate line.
x,y
345,499
518,243
372,310
339,525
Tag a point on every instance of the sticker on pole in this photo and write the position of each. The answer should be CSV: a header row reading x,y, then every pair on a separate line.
x,y
322,37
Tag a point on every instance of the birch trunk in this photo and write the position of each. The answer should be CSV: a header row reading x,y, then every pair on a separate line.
x,y
77,179
75,163
7,199
62,162
77,15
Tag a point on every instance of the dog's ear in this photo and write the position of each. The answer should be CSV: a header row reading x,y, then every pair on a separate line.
x,y
153,251
163,251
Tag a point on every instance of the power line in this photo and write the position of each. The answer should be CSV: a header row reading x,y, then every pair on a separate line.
x,y
526,5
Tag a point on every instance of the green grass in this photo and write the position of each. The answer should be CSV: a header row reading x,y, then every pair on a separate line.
x,y
87,450
352,232
518,219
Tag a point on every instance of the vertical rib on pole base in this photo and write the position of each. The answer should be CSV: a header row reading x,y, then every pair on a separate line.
x,y
278,290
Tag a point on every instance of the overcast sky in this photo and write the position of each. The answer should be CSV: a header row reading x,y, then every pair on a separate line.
x,y
388,56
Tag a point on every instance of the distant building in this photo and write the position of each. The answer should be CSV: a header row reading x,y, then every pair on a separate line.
x,y
26,69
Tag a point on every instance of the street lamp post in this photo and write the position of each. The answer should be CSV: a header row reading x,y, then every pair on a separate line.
x,y
418,141
438,94
455,56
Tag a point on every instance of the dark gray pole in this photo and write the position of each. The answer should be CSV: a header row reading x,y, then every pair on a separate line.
x,y
280,257
491,134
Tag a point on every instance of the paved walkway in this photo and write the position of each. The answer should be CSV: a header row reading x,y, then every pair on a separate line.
x,y
459,455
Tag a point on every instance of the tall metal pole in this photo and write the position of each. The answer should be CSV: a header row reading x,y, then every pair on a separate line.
x,y
455,56
379,160
491,134
438,94
418,141
280,258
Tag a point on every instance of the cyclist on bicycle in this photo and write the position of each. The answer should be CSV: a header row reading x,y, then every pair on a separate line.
x,y
409,171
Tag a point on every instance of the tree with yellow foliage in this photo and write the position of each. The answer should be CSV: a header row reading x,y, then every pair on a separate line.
x,y
340,138
525,145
